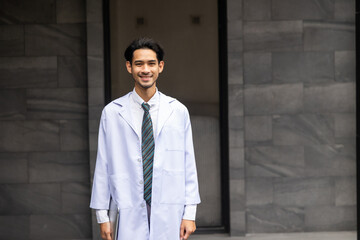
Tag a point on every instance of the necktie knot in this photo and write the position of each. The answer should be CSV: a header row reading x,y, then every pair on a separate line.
x,y
146,107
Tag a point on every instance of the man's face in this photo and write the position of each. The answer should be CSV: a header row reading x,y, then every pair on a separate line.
x,y
145,68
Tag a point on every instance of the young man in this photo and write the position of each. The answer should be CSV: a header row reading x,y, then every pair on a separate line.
x,y
145,160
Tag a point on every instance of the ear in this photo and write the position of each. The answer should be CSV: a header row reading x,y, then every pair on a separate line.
x,y
161,66
128,67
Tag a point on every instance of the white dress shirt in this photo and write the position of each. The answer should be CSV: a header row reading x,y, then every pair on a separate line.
x,y
137,113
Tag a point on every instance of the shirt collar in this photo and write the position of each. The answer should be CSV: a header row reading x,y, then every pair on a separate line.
x,y
152,102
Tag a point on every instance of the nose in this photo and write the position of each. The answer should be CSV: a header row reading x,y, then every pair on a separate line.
x,y
145,69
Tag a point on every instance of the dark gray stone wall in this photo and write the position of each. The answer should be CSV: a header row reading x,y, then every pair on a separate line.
x,y
298,88
44,147
291,82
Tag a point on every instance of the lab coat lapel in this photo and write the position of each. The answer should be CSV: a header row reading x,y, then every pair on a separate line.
x,y
165,111
125,111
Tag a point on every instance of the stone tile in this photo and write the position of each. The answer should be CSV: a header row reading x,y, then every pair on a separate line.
x,y
273,99
95,40
236,122
58,167
237,223
321,218
237,194
60,39
236,173
328,36
19,199
257,67
92,160
235,29
257,10
304,129
72,71
96,98
95,226
95,112
308,67
234,45
37,11
236,158
12,104
70,11
345,190
21,136
330,160
259,191
258,128
275,161
60,226
236,138
345,125
94,11
93,134
345,66
74,135
299,192
12,40
61,103
264,36
13,168
23,72
306,9
272,218
236,166
95,70
235,68
10,225
234,10
345,10
75,198
236,100
336,98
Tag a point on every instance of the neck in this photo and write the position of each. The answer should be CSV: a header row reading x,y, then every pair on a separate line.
x,y
145,93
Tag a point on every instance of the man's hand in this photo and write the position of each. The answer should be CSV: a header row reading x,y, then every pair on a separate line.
x,y
186,229
105,231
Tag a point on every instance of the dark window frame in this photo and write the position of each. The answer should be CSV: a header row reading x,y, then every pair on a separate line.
x,y
357,114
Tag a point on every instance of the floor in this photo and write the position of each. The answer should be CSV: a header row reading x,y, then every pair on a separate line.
x,y
282,236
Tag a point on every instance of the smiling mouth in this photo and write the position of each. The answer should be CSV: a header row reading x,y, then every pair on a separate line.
x,y
145,77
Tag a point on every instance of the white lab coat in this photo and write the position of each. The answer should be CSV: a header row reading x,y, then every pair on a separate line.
x,y
119,172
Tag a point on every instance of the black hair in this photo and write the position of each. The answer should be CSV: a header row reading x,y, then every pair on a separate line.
x,y
144,43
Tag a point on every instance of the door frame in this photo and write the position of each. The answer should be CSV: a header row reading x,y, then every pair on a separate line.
x,y
223,102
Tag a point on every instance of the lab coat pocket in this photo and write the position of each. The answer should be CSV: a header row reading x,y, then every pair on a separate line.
x,y
173,187
120,188
173,138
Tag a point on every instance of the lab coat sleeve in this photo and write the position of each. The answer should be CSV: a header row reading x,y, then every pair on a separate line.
x,y
191,180
100,196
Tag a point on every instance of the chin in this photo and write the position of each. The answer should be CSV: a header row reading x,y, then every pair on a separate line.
x,y
147,85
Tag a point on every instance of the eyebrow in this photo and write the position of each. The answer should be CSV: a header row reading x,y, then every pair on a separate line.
x,y
141,61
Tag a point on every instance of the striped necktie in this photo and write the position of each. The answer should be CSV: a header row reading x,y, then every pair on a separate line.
x,y
147,146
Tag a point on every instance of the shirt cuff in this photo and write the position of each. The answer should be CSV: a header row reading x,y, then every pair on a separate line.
x,y
102,216
190,212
